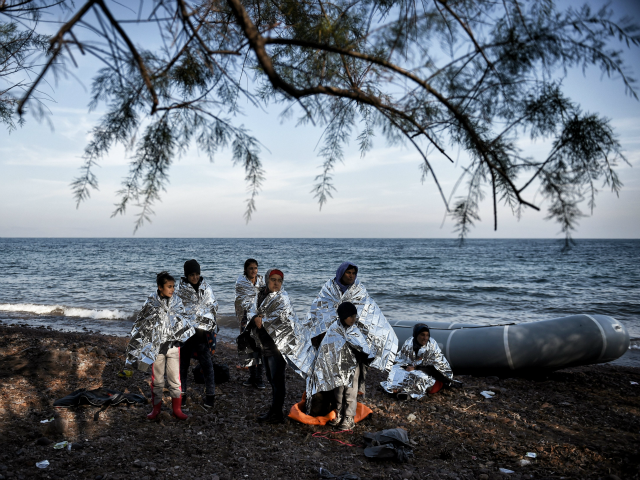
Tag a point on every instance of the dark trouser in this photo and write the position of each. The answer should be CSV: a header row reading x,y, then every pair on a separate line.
x,y
255,373
274,366
200,346
347,397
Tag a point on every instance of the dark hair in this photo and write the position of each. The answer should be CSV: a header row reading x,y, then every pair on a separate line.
x,y
249,262
164,277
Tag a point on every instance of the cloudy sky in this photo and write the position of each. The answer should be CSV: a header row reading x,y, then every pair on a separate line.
x,y
377,196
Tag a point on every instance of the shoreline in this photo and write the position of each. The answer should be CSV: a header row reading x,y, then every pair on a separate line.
x,y
228,332
582,422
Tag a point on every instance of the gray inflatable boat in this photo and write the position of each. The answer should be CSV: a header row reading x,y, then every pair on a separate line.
x,y
547,344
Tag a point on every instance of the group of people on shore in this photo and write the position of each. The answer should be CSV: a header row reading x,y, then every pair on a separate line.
x,y
343,334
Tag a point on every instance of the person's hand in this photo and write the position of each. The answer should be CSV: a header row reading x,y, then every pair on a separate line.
x,y
410,368
258,321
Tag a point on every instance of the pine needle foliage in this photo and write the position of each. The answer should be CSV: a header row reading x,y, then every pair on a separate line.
x,y
439,76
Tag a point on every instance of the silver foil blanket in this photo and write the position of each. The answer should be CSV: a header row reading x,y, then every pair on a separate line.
x,y
158,322
380,336
201,307
337,359
246,292
416,382
282,324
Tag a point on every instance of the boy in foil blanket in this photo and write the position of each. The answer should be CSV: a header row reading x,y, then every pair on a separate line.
x,y
340,364
420,367
345,287
247,287
156,337
277,332
201,307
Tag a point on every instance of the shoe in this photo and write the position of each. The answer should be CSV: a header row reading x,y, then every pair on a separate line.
x,y
177,411
156,408
264,417
336,421
259,385
209,401
276,418
248,383
402,396
347,423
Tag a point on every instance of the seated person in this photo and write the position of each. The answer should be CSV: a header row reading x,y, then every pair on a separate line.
x,y
420,367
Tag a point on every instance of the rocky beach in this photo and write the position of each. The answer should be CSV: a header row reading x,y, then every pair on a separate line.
x,y
580,423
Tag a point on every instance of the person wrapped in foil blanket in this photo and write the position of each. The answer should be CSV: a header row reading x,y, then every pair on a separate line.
x,y
340,365
161,321
248,286
277,332
281,323
345,287
201,307
246,291
420,367
200,304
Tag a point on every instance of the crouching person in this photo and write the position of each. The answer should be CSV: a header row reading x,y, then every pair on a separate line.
x,y
420,367
156,338
201,307
341,364
276,330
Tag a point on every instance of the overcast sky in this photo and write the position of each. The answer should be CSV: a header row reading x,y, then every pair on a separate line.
x,y
377,196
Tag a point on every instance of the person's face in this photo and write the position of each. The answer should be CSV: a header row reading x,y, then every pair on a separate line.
x,y
252,271
349,321
193,278
167,289
423,338
275,283
349,276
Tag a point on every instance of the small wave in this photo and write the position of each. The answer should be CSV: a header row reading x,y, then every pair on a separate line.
x,y
65,311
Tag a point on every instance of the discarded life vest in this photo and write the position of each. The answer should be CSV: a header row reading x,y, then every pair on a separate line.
x,y
297,413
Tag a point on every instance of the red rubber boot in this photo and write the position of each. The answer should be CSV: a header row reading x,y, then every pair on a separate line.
x,y
177,410
156,408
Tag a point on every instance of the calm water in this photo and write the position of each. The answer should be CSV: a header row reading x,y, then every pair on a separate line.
x,y
98,284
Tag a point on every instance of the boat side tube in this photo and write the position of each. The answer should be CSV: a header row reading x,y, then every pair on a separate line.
x,y
546,344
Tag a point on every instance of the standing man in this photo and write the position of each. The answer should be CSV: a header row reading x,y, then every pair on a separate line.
x,y
201,307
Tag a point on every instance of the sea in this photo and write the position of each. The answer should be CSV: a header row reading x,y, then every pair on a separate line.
x,y
98,284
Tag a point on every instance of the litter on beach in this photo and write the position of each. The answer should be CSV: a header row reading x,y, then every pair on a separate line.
x,y
43,464
532,454
634,383
487,394
524,463
506,470
47,420
60,445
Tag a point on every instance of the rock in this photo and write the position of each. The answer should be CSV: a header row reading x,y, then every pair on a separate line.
x,y
164,417
215,477
59,426
483,476
242,460
411,417
43,441
20,451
